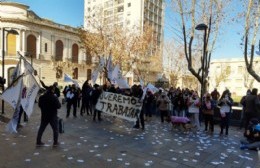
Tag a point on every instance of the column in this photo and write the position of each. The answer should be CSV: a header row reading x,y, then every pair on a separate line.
x,y
23,41
38,46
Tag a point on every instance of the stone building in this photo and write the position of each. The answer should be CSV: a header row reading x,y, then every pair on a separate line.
x,y
53,49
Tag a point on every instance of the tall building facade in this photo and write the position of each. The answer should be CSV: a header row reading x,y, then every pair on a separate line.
x,y
134,15
52,48
127,13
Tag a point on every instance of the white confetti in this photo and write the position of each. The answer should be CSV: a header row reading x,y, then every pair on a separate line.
x,y
98,155
109,160
127,163
27,160
120,159
36,153
174,159
80,161
70,158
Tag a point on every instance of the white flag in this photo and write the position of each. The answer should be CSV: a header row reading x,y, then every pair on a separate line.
x,y
12,94
101,64
26,67
122,83
109,67
94,76
115,75
12,124
29,92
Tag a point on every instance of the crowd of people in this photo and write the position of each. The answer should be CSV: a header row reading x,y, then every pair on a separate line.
x,y
169,102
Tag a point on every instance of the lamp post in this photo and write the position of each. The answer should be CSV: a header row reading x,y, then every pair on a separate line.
x,y
3,57
204,27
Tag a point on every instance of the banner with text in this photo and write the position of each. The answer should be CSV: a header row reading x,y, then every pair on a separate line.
x,y
118,105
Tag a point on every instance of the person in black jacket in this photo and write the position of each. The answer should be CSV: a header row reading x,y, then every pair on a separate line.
x,y
72,99
49,105
94,98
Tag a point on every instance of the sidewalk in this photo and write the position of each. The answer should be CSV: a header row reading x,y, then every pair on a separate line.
x,y
113,143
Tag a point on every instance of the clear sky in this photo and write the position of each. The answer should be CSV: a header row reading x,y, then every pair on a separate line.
x,y
71,12
68,12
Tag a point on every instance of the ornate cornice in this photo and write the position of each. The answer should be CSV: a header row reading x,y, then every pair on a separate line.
x,y
62,28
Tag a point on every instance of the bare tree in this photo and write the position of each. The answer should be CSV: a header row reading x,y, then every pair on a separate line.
x,y
130,48
192,12
251,32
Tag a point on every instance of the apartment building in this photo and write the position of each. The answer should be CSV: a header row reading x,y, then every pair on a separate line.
x,y
127,13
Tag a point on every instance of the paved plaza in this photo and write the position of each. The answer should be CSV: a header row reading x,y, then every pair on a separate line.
x,y
113,143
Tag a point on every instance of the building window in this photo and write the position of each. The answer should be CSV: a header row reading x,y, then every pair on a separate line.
x,y
129,4
46,47
120,9
59,51
11,44
31,45
75,53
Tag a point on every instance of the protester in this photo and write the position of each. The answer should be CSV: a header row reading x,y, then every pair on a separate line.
x,y
252,107
85,103
243,103
94,98
215,95
137,92
162,103
194,109
72,99
48,104
148,103
208,111
225,104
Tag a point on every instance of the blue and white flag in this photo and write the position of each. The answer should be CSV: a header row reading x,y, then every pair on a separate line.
x,y
67,78
152,88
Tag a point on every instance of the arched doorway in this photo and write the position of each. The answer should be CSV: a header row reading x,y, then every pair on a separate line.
x,y
59,50
75,53
11,44
31,45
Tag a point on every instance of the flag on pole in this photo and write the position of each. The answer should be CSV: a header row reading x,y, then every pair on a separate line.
x,y
26,67
29,92
11,94
109,67
101,64
152,88
115,74
118,79
94,76
68,78
12,125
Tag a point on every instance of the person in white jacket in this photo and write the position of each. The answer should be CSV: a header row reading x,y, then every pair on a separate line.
x,y
225,104
194,109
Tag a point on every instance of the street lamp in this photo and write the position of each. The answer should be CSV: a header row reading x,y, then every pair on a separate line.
x,y
3,57
204,27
